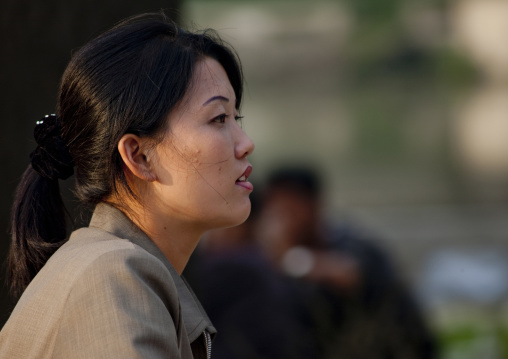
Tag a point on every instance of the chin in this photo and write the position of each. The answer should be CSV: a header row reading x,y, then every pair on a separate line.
x,y
240,216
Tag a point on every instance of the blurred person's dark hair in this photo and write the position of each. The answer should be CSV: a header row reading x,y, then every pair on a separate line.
x,y
303,180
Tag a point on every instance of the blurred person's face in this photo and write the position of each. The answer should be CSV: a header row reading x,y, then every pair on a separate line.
x,y
287,219
298,210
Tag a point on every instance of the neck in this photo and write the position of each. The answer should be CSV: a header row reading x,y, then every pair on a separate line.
x,y
176,239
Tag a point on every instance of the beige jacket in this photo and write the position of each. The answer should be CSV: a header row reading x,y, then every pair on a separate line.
x,y
109,292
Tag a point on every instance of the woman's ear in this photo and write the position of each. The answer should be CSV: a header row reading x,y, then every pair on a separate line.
x,y
133,151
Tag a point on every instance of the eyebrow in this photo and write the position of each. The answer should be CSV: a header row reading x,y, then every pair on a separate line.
x,y
215,98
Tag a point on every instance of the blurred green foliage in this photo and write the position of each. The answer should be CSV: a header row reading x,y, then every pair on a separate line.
x,y
381,48
473,341
389,75
375,11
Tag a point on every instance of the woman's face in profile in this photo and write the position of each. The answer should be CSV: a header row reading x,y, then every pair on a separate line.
x,y
201,164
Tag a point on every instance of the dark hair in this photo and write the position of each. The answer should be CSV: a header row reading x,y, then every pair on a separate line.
x,y
126,80
299,180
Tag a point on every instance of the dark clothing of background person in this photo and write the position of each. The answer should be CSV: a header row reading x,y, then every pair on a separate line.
x,y
258,313
378,320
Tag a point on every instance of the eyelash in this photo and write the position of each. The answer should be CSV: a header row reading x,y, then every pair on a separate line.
x,y
222,118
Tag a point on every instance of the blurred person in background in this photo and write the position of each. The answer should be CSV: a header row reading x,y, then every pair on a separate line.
x,y
360,307
286,285
257,311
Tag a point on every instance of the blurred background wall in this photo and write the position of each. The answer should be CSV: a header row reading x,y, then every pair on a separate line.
x,y
402,105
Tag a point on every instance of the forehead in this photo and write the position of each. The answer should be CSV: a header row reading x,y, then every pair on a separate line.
x,y
209,80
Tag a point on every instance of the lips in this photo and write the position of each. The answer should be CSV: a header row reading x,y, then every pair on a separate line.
x,y
242,180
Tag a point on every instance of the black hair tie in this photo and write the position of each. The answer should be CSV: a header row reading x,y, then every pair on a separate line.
x,y
51,159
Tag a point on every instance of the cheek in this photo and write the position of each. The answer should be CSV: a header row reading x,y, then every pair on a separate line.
x,y
212,153
206,159
188,150
221,174
184,157
194,156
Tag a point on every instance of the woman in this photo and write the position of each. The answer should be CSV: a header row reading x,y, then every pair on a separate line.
x,y
147,114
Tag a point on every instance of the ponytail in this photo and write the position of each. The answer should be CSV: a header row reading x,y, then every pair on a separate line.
x,y
38,214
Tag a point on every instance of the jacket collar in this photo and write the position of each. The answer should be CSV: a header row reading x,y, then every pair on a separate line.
x,y
112,220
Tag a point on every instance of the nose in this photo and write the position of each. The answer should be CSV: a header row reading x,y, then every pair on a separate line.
x,y
244,145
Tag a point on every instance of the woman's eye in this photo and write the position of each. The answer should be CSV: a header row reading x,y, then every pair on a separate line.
x,y
221,118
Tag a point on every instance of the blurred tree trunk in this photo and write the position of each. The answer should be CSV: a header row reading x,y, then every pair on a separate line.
x,y
37,38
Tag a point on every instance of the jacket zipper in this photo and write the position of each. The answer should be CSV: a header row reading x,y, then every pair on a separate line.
x,y
208,344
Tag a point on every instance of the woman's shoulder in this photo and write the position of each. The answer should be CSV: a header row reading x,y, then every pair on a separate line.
x,y
92,250
88,244
96,260
96,279
93,264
